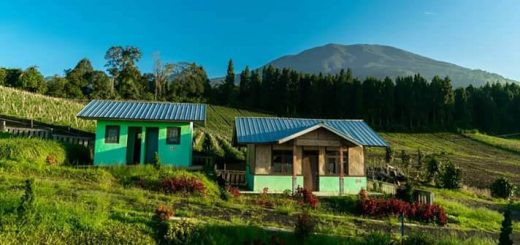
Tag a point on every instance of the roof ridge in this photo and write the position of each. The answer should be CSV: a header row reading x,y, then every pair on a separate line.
x,y
301,118
147,102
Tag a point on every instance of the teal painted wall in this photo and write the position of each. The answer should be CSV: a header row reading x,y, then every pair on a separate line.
x,y
354,184
115,154
328,184
351,185
274,183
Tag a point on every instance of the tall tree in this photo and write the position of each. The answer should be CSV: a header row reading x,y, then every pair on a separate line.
x,y
79,79
245,86
32,80
190,85
101,86
162,74
228,87
121,63
56,86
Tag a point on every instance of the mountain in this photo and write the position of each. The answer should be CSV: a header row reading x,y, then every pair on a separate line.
x,y
381,61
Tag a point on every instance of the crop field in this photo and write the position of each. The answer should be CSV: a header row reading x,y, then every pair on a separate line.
x,y
481,162
42,108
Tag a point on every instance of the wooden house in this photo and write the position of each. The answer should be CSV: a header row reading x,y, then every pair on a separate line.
x,y
134,132
325,156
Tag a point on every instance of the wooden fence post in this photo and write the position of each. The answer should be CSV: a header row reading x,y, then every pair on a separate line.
x,y
3,126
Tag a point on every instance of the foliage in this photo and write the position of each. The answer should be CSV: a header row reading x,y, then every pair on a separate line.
x,y
378,238
406,192
306,199
183,184
304,225
183,232
163,213
393,207
502,188
341,204
419,238
156,160
32,80
506,229
27,200
450,176
234,191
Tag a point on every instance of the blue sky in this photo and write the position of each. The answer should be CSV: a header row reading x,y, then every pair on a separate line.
x,y
54,35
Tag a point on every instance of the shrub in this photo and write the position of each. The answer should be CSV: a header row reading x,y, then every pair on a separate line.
x,y
506,229
419,238
306,198
163,213
235,192
304,225
363,194
405,192
183,232
502,188
450,176
156,160
27,200
264,200
183,184
394,207
379,238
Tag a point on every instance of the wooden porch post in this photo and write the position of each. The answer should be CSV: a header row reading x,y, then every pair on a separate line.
x,y
341,171
294,162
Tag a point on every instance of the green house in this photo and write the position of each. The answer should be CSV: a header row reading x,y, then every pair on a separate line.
x,y
135,132
325,156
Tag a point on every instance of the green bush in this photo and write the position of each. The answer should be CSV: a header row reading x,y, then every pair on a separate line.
x,y
36,151
341,204
450,176
378,238
502,188
182,233
419,238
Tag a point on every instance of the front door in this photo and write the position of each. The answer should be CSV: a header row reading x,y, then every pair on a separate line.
x,y
310,170
152,144
133,154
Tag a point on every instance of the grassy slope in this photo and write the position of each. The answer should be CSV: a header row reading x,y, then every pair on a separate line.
x,y
482,157
481,162
75,205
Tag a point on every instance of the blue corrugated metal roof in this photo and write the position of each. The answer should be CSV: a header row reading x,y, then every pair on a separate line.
x,y
143,111
258,130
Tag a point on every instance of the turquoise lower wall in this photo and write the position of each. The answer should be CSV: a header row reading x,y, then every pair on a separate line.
x,y
328,184
273,183
170,154
351,185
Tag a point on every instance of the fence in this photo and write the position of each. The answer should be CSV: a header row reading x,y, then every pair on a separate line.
x,y
381,187
233,177
31,130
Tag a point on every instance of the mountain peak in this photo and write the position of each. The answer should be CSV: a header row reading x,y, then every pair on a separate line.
x,y
380,61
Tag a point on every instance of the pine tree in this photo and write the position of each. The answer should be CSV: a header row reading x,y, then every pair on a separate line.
x,y
228,87
245,86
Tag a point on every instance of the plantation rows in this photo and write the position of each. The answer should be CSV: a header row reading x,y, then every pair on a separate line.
x,y
42,108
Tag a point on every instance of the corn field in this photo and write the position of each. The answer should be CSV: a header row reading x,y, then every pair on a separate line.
x,y
21,104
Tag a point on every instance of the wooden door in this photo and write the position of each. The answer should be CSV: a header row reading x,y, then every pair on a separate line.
x,y
152,144
310,170
133,146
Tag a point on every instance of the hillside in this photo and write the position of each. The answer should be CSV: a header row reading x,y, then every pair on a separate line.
x,y
116,206
473,154
381,61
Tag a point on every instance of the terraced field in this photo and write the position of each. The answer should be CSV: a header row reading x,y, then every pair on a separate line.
x,y
481,162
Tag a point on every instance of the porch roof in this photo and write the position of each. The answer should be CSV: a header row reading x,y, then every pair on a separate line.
x,y
264,130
